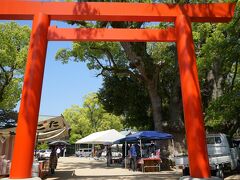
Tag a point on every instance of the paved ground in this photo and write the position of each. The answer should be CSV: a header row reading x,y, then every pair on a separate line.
x,y
72,168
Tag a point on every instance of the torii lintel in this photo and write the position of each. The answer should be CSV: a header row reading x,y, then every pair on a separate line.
x,y
102,11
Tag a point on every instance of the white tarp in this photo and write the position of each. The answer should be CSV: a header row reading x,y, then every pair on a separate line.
x,y
102,137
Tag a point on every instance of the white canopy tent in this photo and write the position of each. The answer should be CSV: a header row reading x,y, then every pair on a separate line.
x,y
102,137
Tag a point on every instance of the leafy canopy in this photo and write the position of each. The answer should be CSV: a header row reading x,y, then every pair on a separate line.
x,y
90,118
14,40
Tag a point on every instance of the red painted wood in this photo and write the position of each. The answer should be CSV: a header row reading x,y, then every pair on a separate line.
x,y
31,94
192,106
87,34
214,12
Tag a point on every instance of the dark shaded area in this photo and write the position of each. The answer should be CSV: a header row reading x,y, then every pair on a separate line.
x,y
8,119
124,96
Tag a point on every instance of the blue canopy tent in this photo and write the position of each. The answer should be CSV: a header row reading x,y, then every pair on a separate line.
x,y
143,136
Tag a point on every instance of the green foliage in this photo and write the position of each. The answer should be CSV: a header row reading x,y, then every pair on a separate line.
x,y
129,60
80,126
14,40
217,47
96,54
42,146
125,87
124,96
90,118
223,113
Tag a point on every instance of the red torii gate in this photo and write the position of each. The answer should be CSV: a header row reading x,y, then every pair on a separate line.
x,y
43,12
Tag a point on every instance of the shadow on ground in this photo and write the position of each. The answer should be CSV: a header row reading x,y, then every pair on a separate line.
x,y
70,175
75,168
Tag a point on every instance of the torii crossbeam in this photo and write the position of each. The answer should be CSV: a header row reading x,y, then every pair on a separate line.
x,y
43,12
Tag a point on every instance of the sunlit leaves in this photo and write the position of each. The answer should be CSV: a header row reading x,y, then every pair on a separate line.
x,y
90,118
14,40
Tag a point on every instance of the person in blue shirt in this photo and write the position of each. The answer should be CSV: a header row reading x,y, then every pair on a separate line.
x,y
137,147
133,157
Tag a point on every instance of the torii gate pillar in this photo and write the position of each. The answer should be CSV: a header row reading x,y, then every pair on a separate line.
x,y
192,106
30,103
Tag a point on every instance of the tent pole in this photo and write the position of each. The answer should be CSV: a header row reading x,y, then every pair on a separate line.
x,y
173,148
88,149
93,150
36,144
141,147
125,160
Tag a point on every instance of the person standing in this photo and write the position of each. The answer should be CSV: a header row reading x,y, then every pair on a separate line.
x,y
152,149
58,152
138,150
53,160
133,157
109,155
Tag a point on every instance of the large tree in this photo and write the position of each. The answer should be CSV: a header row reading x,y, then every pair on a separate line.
x,y
14,40
154,65
131,59
217,46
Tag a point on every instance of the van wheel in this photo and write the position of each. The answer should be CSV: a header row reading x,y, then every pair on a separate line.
x,y
220,173
213,172
238,166
185,172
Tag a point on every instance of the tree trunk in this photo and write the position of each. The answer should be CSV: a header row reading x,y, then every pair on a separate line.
x,y
175,106
138,57
156,106
215,79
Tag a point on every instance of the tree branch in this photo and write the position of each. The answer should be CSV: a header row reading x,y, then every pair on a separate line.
x,y
2,68
107,53
7,80
234,75
97,61
117,70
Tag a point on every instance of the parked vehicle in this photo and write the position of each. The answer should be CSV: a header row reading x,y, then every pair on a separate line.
x,y
223,156
85,152
44,154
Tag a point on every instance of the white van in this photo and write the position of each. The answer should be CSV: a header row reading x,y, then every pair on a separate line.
x,y
223,155
84,152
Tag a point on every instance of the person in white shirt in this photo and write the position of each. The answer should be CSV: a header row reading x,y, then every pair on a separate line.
x,y
58,152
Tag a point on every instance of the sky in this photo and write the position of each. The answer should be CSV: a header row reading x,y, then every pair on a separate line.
x,y
64,85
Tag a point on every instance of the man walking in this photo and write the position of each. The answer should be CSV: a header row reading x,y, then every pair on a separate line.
x,y
133,157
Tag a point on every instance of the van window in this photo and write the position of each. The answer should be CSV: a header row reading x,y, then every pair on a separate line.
x,y
214,140
218,140
210,140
